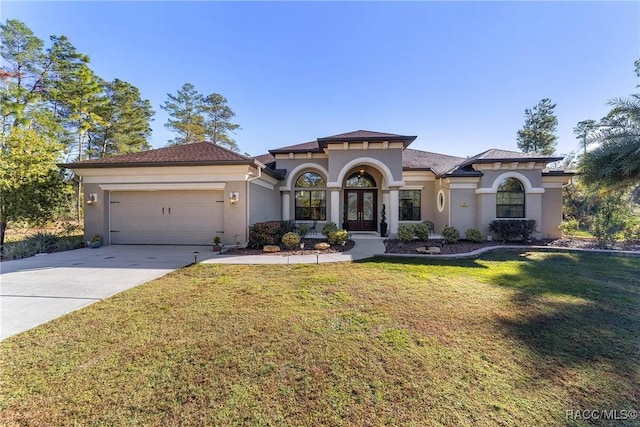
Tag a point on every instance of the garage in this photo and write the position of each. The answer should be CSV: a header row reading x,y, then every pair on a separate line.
x,y
182,217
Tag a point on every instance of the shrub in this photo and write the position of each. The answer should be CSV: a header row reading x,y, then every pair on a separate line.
x,y
263,233
473,235
405,233
17,250
450,235
43,242
632,230
421,231
338,237
569,228
291,240
268,233
303,230
512,229
328,228
69,243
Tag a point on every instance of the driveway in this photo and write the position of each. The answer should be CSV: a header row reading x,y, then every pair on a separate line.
x,y
38,289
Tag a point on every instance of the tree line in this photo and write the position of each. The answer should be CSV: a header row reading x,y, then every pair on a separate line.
x,y
605,195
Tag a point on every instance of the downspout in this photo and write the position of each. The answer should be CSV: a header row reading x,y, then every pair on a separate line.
x,y
249,178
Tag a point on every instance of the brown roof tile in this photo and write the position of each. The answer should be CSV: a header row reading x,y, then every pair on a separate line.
x,y
438,163
305,147
194,153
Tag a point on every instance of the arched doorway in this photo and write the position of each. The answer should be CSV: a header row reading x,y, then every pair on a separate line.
x,y
361,202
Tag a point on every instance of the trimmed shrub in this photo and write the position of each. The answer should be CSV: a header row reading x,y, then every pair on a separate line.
x,y
405,233
268,233
328,228
291,240
569,228
473,235
302,230
421,231
512,229
263,233
450,235
338,237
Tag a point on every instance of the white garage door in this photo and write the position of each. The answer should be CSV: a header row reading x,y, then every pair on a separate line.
x,y
166,217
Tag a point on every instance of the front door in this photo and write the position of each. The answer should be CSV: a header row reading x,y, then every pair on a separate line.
x,y
361,209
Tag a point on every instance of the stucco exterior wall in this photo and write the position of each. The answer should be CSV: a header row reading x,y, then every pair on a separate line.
x,y
392,158
463,209
96,215
235,216
427,200
265,204
551,213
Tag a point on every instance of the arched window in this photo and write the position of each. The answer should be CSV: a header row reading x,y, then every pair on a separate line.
x,y
311,196
360,179
510,199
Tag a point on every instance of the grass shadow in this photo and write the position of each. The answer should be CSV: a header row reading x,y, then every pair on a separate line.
x,y
575,308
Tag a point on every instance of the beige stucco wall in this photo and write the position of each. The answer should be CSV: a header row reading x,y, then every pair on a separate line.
x,y
463,209
265,204
96,215
551,213
392,158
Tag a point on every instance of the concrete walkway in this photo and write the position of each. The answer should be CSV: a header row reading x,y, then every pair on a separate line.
x,y
366,246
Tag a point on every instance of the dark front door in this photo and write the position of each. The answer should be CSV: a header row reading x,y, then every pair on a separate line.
x,y
361,209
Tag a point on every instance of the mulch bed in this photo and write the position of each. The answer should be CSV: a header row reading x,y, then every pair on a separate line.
x,y
308,249
395,246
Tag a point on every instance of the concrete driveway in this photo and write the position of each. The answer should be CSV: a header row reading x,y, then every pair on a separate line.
x,y
38,289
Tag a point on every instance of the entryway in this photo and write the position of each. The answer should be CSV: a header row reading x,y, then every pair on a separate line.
x,y
361,209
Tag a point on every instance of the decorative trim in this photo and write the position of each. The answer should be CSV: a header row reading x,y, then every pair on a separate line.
x,y
528,188
312,167
263,184
440,201
412,187
164,186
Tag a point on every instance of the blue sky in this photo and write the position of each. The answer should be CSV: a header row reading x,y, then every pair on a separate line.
x,y
457,74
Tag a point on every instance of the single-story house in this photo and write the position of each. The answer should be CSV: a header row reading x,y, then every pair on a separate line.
x,y
188,194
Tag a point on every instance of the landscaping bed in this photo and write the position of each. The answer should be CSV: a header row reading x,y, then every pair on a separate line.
x,y
395,246
308,249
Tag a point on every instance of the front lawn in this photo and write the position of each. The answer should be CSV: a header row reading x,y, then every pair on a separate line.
x,y
508,339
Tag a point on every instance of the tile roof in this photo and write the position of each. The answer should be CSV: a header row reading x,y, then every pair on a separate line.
x,y
494,155
265,158
194,153
365,134
305,147
438,163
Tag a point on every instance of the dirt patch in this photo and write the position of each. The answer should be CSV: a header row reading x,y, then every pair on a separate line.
x,y
308,249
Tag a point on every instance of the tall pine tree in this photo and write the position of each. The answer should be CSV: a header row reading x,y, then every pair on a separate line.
x,y
538,135
195,117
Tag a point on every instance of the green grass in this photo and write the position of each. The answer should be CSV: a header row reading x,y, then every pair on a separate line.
x,y
509,339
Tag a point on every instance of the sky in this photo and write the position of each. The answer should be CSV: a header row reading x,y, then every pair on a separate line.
x,y
459,75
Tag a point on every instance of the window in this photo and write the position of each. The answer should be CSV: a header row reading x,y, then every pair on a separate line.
x,y
440,201
510,199
310,197
360,179
409,205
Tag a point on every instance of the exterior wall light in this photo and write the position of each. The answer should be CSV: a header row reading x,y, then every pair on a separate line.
x,y
234,197
92,199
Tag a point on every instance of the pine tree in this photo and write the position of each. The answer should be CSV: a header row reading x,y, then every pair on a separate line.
x,y
218,123
124,127
537,136
185,115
